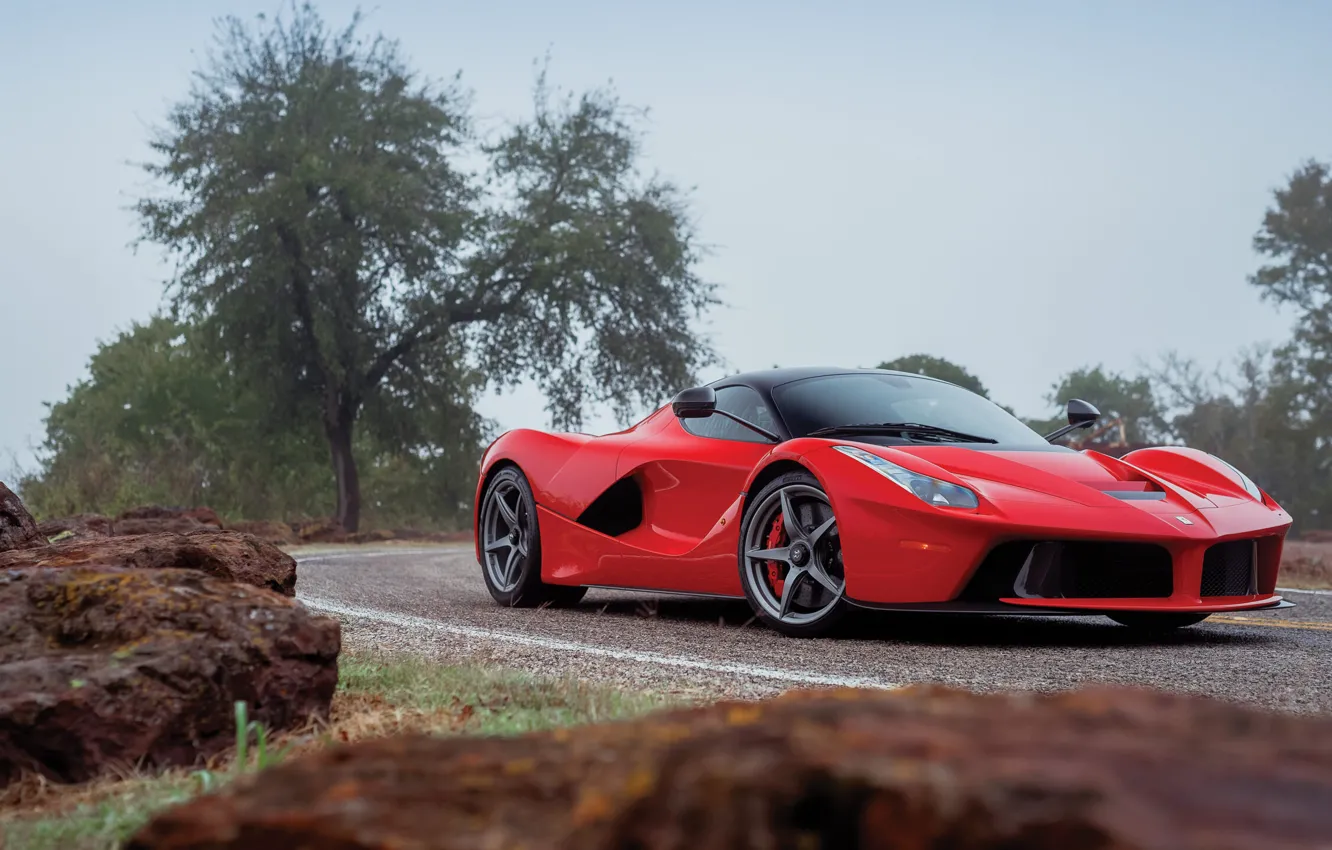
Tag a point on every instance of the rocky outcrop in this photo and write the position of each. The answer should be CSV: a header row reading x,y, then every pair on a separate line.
x,y
105,668
912,770
18,530
320,531
278,533
226,555
77,527
153,519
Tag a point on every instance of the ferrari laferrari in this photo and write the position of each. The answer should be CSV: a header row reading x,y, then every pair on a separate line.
x,y
811,492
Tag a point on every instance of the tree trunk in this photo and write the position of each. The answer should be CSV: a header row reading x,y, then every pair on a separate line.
x,y
339,432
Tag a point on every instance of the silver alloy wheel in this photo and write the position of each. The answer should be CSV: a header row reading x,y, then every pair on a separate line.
x,y
505,532
813,580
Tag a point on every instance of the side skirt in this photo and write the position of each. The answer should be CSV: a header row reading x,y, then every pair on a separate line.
x,y
1015,610
685,593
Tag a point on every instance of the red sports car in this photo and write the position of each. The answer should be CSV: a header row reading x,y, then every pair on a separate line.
x,y
811,491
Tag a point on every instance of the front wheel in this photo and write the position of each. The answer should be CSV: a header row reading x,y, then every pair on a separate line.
x,y
1147,621
511,546
791,557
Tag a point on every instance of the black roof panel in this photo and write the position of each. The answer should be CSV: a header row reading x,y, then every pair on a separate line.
x,y
764,380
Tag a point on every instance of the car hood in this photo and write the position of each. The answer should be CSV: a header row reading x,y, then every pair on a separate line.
x,y
1036,475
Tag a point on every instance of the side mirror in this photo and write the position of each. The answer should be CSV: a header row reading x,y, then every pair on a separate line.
x,y
695,403
1081,412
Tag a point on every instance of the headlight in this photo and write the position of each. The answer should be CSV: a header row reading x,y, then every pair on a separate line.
x,y
1249,486
938,493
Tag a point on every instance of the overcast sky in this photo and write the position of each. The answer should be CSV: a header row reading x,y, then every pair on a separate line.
x,y
1021,187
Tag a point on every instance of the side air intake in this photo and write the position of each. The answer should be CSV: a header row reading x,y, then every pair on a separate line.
x,y
617,510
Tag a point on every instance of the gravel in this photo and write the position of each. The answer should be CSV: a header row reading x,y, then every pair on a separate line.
x,y
434,602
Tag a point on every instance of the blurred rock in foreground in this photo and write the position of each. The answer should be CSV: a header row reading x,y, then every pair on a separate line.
x,y
105,668
18,530
226,555
278,533
916,769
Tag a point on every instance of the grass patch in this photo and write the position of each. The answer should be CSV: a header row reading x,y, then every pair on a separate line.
x,y
1306,564
378,695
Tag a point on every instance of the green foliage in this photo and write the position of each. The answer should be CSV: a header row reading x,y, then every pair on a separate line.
x,y
1117,396
937,367
1296,236
330,243
162,419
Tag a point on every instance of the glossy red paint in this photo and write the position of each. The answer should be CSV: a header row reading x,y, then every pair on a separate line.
x,y
896,547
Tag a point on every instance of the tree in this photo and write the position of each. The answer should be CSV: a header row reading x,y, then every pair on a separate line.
x,y
329,240
937,367
1296,235
1296,239
158,420
1116,396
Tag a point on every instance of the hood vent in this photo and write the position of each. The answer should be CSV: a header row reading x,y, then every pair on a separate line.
x,y
1130,491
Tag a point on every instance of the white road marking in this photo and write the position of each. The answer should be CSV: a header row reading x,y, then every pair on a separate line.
x,y
1297,590
338,556
408,621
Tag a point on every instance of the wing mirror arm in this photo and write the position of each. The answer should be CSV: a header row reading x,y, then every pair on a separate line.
x,y
701,402
1081,414
750,425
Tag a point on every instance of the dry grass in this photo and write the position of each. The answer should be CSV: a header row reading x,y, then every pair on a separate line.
x,y
1305,564
378,695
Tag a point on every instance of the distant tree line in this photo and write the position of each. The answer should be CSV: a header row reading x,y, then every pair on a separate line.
x,y
356,262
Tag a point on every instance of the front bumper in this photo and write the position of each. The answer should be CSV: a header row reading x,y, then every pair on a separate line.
x,y
932,559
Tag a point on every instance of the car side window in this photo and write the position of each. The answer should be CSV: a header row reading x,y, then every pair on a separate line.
x,y
740,401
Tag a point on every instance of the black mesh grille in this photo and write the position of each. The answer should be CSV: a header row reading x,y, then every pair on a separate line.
x,y
1074,570
1110,570
1228,569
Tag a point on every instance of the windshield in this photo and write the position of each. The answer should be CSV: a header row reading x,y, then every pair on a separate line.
x,y
812,403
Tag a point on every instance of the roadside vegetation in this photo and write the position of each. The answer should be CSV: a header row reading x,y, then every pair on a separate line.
x,y
1307,565
378,695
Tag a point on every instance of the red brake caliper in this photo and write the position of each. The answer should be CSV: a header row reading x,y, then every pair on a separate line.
x,y
776,539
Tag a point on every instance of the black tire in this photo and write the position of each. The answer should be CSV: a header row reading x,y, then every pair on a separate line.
x,y
523,587
1147,621
829,609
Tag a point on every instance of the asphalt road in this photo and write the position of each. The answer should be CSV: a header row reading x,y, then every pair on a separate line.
x,y
434,602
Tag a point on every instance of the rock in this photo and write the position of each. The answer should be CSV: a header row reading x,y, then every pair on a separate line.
x,y
105,668
18,530
226,555
277,533
151,519
78,527
378,535
911,770
321,531
177,524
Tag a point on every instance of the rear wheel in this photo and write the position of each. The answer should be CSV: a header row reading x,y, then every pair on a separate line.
x,y
791,557
1147,621
511,546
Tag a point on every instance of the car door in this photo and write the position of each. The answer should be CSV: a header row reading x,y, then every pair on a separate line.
x,y
692,470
